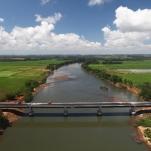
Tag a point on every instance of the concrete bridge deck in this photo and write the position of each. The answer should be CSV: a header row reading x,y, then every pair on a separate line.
x,y
135,107
74,104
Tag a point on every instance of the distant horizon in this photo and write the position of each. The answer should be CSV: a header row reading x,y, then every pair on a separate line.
x,y
76,55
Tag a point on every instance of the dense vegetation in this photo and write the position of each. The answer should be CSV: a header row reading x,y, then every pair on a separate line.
x,y
129,72
4,123
111,62
20,77
146,91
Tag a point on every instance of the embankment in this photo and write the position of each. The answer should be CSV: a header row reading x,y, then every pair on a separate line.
x,y
31,88
115,80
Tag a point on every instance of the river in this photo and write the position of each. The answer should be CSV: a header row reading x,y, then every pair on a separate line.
x,y
79,133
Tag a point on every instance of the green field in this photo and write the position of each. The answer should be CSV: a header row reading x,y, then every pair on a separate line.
x,y
138,64
14,74
137,78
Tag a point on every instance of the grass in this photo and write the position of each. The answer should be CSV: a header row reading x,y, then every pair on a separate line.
x,y
14,74
146,122
137,78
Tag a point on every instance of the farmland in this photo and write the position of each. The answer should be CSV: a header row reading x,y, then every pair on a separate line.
x,y
133,64
127,69
15,74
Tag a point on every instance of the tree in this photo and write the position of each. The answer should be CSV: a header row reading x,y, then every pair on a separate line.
x,y
4,123
146,91
28,96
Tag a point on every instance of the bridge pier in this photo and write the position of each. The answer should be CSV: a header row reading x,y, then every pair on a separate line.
x,y
132,111
65,111
99,111
31,112
1,112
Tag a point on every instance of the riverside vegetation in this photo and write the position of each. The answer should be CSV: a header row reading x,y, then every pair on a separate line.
x,y
19,78
132,73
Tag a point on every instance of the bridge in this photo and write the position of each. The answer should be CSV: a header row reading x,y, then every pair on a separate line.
x,y
27,109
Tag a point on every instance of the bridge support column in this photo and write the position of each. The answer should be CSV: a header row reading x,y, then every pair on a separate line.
x,y
31,112
65,111
1,113
99,111
132,111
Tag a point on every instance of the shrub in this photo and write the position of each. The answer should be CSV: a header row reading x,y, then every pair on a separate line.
x,y
3,122
146,91
28,96
10,96
112,62
31,84
147,133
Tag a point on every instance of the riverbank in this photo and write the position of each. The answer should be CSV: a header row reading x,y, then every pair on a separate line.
x,y
21,99
121,76
131,89
12,118
97,73
143,127
141,131
33,86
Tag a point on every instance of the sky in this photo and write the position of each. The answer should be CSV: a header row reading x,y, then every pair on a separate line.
x,y
75,27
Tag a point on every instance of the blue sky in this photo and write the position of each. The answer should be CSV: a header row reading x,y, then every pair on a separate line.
x,y
80,22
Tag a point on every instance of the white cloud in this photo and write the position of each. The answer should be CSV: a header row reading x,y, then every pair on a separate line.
x,y
43,2
1,20
50,19
132,33
41,39
129,20
96,2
